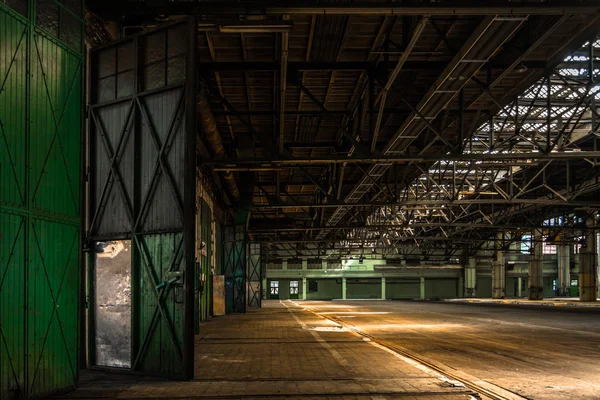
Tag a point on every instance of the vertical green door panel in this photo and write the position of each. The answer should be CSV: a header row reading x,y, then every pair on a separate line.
x,y
40,140
12,304
56,127
160,300
13,108
52,293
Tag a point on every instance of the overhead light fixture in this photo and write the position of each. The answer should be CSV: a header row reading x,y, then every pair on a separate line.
x,y
521,68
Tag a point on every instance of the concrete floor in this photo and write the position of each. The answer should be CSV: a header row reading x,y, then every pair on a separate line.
x,y
382,350
536,352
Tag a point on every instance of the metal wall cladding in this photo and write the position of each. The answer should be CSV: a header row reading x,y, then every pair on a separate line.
x,y
138,161
137,137
40,139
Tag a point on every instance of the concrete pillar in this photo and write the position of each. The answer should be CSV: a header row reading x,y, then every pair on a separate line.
x,y
588,290
422,294
382,288
470,278
563,253
536,268
343,288
597,262
519,286
499,274
304,289
304,265
284,265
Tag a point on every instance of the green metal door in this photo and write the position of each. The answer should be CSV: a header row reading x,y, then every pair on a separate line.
x,y
142,184
41,110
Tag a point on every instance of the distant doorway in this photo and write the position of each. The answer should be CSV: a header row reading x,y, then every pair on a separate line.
x,y
274,290
112,304
294,292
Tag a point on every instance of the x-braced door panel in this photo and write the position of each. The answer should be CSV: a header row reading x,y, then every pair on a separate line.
x,y
234,268
142,183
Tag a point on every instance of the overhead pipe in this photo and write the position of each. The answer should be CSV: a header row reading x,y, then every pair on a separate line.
x,y
213,137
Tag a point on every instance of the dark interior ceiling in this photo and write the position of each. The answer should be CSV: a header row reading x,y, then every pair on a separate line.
x,y
385,128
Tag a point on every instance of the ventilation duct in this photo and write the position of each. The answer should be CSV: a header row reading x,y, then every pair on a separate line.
x,y
213,138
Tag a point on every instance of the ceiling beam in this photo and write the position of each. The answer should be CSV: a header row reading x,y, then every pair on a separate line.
x,y
423,158
433,203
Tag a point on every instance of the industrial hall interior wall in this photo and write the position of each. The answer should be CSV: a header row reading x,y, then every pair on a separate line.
x,y
41,110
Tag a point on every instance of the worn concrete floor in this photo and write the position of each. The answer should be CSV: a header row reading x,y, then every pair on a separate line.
x,y
283,351
537,352
382,350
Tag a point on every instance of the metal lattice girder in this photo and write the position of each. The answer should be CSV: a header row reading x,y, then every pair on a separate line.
x,y
491,32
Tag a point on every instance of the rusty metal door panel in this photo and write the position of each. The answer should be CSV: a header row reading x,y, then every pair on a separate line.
x,y
142,179
40,172
218,295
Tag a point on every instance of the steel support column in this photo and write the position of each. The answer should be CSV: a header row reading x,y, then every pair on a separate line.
x,y
304,286
588,291
422,288
498,276
470,278
564,271
536,269
343,288
382,288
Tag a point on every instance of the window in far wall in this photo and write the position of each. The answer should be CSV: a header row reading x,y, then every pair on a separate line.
x,y
274,287
526,244
549,248
293,287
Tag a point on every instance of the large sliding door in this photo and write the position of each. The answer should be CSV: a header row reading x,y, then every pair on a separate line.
x,y
41,112
142,191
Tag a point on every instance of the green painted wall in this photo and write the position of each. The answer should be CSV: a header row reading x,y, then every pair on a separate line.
x,y
484,286
363,288
40,139
441,288
402,288
328,289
